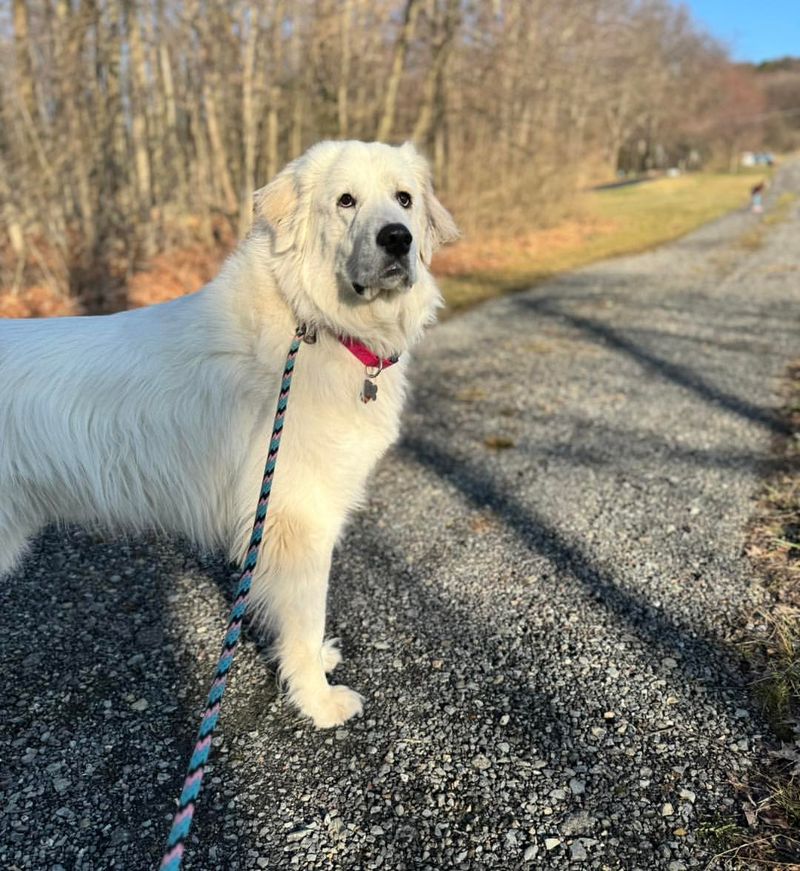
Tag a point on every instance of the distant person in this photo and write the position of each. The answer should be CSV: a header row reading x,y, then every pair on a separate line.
x,y
756,198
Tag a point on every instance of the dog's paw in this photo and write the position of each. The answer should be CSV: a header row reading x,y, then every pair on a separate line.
x,y
333,706
331,655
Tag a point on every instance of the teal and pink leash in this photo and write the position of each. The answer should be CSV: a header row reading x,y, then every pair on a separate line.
x,y
194,777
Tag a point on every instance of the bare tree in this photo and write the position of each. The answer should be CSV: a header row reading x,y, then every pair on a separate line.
x,y
398,66
130,126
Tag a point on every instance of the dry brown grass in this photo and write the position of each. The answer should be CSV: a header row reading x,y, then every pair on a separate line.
x,y
174,274
37,302
771,800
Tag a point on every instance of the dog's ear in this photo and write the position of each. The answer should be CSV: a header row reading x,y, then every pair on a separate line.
x,y
440,228
276,205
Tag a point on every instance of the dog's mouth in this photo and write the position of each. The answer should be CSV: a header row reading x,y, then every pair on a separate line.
x,y
394,277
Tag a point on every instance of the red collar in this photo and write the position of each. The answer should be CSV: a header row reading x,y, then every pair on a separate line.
x,y
362,352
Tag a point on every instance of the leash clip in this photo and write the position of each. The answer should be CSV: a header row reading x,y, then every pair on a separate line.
x,y
308,334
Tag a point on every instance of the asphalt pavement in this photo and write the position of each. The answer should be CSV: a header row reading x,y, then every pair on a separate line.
x,y
541,604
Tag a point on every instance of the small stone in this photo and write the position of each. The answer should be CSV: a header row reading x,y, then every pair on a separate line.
x,y
669,662
504,722
680,832
551,843
688,795
530,853
609,715
577,787
61,784
481,762
577,852
558,795
579,823
119,836
676,866
667,810
140,705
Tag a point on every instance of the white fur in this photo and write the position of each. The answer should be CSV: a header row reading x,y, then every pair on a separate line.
x,y
158,418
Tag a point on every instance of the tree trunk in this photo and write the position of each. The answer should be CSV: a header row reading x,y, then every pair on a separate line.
x,y
250,28
139,89
218,152
400,54
344,70
22,58
433,86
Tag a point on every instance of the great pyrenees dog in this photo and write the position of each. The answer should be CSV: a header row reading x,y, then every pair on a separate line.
x,y
159,418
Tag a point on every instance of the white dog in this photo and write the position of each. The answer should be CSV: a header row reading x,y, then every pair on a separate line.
x,y
159,418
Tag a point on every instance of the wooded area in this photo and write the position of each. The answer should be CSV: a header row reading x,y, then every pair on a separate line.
x,y
131,127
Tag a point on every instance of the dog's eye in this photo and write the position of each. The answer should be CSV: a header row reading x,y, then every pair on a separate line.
x,y
346,201
404,198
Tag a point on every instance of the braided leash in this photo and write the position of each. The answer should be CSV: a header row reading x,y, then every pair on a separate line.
x,y
194,777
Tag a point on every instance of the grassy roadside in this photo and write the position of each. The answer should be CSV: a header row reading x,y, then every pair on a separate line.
x,y
609,223
767,835
773,649
774,548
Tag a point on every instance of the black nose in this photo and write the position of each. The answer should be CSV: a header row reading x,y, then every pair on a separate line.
x,y
395,238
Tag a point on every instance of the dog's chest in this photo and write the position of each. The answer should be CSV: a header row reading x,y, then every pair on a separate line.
x,y
327,417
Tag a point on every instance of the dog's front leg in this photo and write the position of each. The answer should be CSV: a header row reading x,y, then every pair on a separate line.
x,y
291,592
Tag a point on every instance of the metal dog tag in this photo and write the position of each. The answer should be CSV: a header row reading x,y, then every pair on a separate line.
x,y
369,391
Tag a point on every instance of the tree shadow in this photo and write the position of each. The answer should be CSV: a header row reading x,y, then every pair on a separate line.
x,y
104,689
677,373
650,623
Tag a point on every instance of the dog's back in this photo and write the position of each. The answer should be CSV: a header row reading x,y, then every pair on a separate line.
x,y
106,420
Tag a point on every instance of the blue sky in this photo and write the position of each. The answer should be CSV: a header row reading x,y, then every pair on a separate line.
x,y
755,30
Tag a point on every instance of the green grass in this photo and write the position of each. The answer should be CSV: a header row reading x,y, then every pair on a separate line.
x,y
610,223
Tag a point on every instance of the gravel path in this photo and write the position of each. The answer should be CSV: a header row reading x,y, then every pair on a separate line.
x,y
544,632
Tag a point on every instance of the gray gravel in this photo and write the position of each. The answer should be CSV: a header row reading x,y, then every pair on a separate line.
x,y
545,634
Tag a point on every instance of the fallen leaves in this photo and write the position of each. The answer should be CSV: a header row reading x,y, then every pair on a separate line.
x,y
499,442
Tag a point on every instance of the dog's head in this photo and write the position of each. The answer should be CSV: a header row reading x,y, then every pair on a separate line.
x,y
357,223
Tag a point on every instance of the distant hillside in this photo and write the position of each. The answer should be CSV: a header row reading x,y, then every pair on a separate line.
x,y
782,64
780,81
